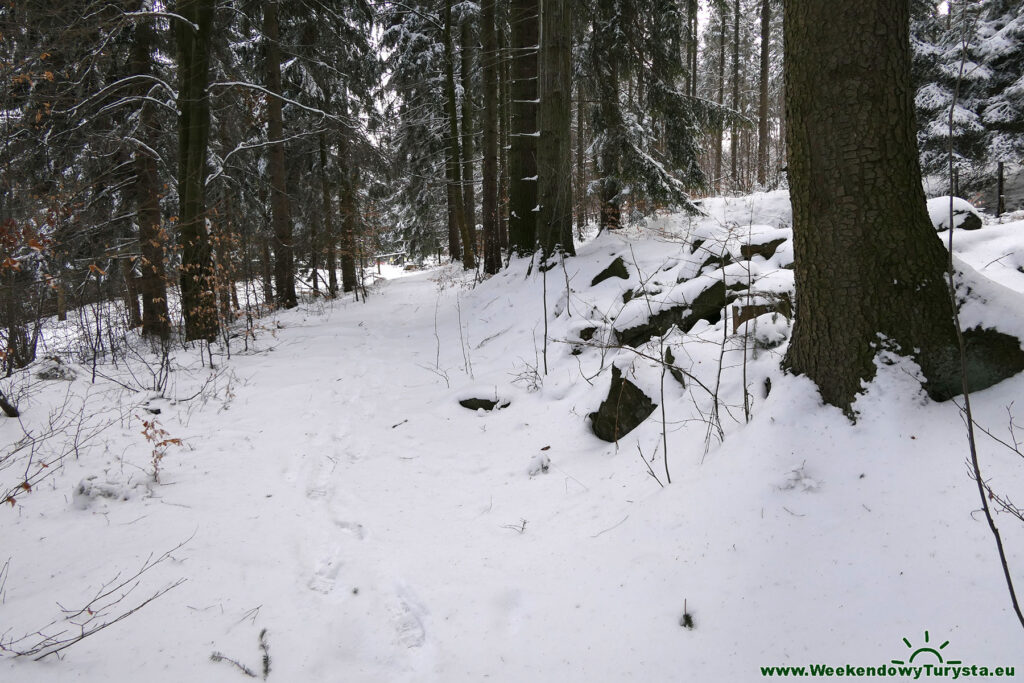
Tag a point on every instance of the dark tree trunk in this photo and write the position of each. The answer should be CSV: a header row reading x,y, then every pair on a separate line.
x,y
267,267
152,282
466,78
608,94
524,20
734,149
693,15
721,95
554,160
131,294
870,271
197,301
581,166
455,195
328,238
349,215
284,267
503,137
492,240
762,109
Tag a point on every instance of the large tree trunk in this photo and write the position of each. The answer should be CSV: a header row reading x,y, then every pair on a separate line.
x,y
694,12
152,283
197,300
581,166
465,77
329,238
492,241
524,19
869,267
734,149
762,109
554,161
608,159
349,215
284,269
455,196
503,136
721,96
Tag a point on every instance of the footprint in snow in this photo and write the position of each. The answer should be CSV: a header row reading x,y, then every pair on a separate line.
x,y
320,481
406,618
326,573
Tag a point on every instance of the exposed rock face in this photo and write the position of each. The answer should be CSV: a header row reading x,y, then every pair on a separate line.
x,y
485,403
624,409
707,305
616,268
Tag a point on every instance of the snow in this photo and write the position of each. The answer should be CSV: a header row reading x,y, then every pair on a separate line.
x,y
330,489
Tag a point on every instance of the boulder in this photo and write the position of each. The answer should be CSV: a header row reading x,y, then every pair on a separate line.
x,y
485,403
965,216
616,268
624,409
707,306
765,249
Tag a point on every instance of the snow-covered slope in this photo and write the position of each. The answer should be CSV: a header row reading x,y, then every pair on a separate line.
x,y
330,489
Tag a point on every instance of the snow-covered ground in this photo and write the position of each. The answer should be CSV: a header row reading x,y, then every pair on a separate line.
x,y
330,489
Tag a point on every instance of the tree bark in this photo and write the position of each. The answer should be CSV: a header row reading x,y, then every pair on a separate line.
x,y
284,267
869,269
762,109
735,134
466,78
554,161
349,215
152,282
197,301
328,238
455,195
503,136
524,19
492,240
721,95
581,166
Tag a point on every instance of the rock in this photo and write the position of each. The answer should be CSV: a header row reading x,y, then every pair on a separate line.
x,y
766,249
624,409
616,268
965,216
670,360
707,306
483,403
54,369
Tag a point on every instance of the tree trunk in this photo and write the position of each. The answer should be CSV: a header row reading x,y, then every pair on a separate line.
x,y
721,96
524,19
131,293
466,73
554,162
694,17
581,167
870,271
762,109
492,240
503,136
455,195
284,267
608,94
198,306
329,238
349,216
734,148
152,282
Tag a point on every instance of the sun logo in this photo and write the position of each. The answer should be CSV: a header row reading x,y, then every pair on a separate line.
x,y
926,649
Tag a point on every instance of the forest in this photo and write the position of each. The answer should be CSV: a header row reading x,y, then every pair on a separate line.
x,y
532,340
